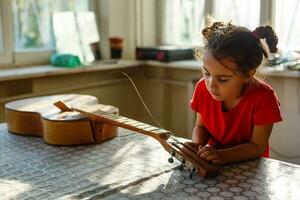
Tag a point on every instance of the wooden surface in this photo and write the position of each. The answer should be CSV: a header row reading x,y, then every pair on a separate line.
x,y
39,117
130,166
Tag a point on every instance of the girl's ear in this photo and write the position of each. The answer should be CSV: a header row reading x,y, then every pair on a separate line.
x,y
250,75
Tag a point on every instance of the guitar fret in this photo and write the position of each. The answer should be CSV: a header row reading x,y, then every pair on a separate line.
x,y
111,117
119,119
151,129
137,123
143,126
128,122
123,120
132,122
160,131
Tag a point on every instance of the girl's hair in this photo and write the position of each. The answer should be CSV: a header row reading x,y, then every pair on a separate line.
x,y
240,44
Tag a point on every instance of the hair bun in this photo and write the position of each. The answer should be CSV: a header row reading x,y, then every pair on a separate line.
x,y
219,27
268,33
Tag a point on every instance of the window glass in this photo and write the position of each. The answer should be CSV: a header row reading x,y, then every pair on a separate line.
x,y
32,21
287,18
243,13
1,36
184,20
1,41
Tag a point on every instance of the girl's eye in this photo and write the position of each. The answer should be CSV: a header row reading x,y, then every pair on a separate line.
x,y
222,80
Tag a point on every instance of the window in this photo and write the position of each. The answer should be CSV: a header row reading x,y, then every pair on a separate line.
x,y
5,34
244,13
286,18
32,21
1,35
184,20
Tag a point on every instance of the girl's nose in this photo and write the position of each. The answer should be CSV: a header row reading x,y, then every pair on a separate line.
x,y
212,83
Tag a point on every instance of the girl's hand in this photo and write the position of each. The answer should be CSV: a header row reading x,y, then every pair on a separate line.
x,y
210,154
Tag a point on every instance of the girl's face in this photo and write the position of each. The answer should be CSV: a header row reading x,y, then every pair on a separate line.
x,y
221,78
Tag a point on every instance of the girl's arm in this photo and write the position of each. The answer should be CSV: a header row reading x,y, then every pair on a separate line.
x,y
200,133
253,149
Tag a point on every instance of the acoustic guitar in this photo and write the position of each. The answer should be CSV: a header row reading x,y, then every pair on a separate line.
x,y
39,117
179,148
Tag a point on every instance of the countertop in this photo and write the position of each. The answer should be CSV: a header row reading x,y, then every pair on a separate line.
x,y
130,166
48,70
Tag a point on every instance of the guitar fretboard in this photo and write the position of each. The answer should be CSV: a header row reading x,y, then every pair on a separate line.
x,y
124,122
180,150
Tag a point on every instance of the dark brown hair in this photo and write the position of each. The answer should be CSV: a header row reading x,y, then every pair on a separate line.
x,y
240,44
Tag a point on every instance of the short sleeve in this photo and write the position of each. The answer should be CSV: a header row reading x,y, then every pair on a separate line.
x,y
267,109
195,101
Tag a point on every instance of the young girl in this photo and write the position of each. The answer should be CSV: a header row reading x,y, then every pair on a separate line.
x,y
235,110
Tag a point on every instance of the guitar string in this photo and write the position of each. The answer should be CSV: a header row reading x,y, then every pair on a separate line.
x,y
174,138
143,102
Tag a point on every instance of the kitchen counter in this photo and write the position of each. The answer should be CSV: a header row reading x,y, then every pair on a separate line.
x,y
48,70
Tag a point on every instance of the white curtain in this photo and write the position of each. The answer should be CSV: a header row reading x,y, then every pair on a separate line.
x,y
239,12
1,36
182,21
287,17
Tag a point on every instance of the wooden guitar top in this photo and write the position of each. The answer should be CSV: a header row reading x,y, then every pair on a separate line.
x,y
38,116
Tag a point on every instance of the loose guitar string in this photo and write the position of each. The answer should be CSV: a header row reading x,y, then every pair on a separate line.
x,y
143,102
174,138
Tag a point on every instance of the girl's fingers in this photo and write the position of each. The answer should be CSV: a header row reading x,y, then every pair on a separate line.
x,y
201,150
204,148
211,157
200,147
205,152
209,154
217,161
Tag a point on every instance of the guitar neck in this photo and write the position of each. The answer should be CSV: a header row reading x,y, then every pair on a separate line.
x,y
182,151
124,122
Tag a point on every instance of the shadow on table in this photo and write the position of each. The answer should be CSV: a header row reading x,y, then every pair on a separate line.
x,y
256,179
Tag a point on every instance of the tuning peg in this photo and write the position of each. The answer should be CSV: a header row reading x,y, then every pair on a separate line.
x,y
192,172
171,160
181,167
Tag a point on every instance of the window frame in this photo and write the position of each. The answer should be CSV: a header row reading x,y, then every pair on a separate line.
x,y
6,56
13,58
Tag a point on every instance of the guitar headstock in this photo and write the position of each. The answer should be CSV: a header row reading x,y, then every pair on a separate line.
x,y
186,153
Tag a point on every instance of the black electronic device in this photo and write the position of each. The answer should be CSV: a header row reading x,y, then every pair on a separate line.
x,y
164,53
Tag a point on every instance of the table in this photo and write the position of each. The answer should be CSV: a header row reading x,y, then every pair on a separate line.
x,y
130,166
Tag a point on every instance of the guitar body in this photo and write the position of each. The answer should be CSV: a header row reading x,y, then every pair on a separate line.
x,y
39,117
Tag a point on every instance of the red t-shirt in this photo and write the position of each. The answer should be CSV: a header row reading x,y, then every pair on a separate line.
x,y
258,106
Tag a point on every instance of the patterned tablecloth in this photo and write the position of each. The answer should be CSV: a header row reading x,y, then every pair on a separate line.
x,y
131,166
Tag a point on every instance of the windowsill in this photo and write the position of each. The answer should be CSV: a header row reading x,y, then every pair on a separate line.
x,y
49,70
